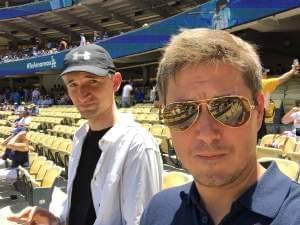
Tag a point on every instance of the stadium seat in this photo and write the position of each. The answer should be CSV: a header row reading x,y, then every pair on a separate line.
x,y
175,178
262,151
288,167
286,143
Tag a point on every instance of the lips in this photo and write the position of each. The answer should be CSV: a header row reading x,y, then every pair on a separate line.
x,y
210,156
86,105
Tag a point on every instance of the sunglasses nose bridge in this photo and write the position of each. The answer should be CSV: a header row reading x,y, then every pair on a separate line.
x,y
203,106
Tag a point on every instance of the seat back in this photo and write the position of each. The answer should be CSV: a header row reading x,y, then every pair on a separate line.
x,y
288,167
286,143
262,151
50,176
175,178
43,169
36,164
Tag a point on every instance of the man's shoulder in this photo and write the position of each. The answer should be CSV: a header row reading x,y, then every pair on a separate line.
x,y
167,206
172,197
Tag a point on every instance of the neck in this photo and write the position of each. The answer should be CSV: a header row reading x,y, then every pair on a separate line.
x,y
107,119
229,193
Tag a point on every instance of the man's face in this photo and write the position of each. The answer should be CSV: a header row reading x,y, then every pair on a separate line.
x,y
214,154
92,95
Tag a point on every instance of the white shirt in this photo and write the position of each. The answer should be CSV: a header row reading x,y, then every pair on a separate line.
x,y
126,91
24,121
35,93
127,175
221,19
296,117
153,94
82,40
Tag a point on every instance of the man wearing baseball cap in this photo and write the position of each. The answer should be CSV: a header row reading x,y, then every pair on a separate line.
x,y
115,166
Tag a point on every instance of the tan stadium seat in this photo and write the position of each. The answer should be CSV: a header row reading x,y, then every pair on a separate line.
x,y
175,178
288,167
286,143
262,151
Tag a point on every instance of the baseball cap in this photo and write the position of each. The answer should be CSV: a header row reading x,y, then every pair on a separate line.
x,y
90,58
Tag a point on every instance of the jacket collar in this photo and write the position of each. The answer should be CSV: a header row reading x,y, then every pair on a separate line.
x,y
124,120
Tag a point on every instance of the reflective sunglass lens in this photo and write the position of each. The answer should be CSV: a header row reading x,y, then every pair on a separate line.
x,y
231,111
180,116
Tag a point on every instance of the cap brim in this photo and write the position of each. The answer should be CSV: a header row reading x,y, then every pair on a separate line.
x,y
89,69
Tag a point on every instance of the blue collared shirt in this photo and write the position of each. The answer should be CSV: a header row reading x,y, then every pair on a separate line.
x,y
273,200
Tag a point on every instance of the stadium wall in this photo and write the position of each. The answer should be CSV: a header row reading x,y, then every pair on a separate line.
x,y
156,35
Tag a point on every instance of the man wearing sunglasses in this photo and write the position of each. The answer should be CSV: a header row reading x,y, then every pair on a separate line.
x,y
210,91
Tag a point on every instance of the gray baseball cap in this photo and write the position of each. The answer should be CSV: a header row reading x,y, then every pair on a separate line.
x,y
91,58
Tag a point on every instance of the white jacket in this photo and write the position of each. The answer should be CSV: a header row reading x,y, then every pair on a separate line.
x,y
127,175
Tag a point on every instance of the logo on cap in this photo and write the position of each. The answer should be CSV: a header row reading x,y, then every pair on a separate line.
x,y
85,56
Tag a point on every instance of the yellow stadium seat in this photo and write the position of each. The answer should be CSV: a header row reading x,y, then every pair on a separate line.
x,y
175,178
288,167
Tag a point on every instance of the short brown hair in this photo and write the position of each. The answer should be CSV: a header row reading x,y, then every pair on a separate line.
x,y
196,46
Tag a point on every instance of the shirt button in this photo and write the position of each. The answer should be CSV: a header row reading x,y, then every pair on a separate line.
x,y
204,219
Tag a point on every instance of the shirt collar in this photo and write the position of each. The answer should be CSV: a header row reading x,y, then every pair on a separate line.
x,y
124,120
268,194
265,197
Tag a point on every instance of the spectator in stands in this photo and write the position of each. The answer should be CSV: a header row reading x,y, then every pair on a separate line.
x,y
18,148
35,95
82,40
269,85
153,93
62,44
20,108
209,85
15,96
115,166
40,101
64,100
139,95
126,94
96,36
48,101
33,109
293,116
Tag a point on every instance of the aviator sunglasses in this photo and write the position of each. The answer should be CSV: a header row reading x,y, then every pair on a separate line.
x,y
230,111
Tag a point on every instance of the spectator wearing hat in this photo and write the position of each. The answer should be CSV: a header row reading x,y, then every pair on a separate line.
x,y
33,109
115,166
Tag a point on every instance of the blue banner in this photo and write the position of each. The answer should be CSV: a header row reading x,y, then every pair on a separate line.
x,y
33,8
216,14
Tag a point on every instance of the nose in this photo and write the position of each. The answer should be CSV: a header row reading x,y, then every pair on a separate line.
x,y
207,129
84,93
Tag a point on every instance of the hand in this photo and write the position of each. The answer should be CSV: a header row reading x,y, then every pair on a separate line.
x,y
34,216
295,69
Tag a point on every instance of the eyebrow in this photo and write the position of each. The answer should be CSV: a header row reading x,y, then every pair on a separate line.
x,y
86,76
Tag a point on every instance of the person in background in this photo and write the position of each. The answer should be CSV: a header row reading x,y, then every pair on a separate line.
x,y
115,166
293,116
269,85
210,91
17,148
96,36
82,40
126,94
62,44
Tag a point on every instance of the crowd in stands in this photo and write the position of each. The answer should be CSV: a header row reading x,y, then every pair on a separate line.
x,y
38,96
37,48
